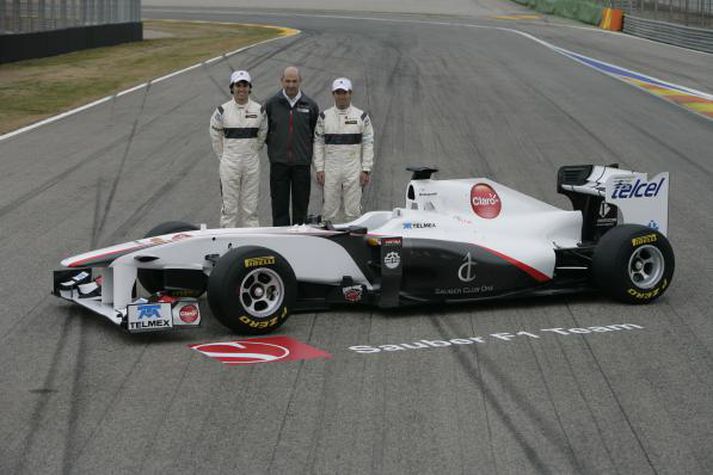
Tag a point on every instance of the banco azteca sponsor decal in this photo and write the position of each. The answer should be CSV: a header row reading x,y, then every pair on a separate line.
x,y
259,350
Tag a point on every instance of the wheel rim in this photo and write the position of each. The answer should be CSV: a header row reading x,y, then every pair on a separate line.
x,y
261,292
646,266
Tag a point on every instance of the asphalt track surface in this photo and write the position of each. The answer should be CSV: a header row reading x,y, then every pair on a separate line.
x,y
79,395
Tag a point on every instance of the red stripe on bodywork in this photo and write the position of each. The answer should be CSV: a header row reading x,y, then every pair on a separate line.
x,y
531,271
106,255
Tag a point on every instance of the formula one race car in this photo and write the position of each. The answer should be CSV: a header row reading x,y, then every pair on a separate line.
x,y
455,240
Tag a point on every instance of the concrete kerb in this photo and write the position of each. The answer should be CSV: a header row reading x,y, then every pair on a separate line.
x,y
285,33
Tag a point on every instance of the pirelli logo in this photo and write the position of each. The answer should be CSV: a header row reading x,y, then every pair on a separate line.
x,y
259,261
649,238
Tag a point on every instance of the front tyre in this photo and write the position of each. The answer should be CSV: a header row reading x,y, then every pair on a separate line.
x,y
252,290
633,264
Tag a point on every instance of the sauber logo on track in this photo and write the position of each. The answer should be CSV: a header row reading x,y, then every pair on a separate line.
x,y
485,201
259,350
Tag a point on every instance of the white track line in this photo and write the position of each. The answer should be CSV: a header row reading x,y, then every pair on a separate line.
x,y
68,113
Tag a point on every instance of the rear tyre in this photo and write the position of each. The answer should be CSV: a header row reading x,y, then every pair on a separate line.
x,y
252,290
152,279
633,264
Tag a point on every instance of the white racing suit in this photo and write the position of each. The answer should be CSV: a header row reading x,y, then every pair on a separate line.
x,y
343,148
238,133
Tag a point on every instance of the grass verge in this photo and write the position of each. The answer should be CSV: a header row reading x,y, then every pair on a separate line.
x,y
35,89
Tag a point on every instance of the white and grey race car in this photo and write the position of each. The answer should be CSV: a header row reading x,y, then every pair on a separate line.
x,y
453,241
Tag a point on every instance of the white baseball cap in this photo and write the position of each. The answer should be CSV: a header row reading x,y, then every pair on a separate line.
x,y
342,83
238,76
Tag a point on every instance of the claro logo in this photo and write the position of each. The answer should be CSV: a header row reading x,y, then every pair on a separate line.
x,y
485,201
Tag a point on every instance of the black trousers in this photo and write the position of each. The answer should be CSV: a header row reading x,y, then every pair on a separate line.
x,y
286,180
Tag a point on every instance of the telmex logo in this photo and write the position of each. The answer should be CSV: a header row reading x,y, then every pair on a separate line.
x,y
639,189
243,352
485,201
149,311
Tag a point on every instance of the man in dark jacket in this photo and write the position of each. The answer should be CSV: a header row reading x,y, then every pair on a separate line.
x,y
291,117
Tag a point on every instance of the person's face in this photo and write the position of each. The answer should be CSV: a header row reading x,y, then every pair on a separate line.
x,y
342,98
241,91
291,83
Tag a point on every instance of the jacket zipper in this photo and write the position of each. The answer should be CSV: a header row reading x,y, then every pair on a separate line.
x,y
289,139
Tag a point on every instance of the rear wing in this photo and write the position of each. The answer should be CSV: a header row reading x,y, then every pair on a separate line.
x,y
608,195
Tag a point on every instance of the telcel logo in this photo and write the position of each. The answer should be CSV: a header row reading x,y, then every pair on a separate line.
x,y
639,189
485,201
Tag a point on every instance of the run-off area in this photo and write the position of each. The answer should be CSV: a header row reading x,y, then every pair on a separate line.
x,y
494,338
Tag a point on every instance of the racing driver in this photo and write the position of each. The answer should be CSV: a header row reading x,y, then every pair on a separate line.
x,y
343,153
238,129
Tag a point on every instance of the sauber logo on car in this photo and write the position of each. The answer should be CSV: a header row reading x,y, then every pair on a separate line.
x,y
259,350
485,201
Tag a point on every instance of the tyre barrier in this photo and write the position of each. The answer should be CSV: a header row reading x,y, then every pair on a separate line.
x,y
612,19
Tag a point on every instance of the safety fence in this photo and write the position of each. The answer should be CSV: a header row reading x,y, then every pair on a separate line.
x,y
28,16
700,39
694,13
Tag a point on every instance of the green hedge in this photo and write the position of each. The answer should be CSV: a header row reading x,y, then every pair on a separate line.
x,y
581,10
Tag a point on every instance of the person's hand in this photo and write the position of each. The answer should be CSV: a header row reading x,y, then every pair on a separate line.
x,y
320,178
364,179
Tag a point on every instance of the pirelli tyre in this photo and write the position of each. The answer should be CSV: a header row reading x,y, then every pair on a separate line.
x,y
152,280
633,264
252,290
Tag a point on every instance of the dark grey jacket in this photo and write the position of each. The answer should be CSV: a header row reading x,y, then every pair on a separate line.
x,y
290,130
